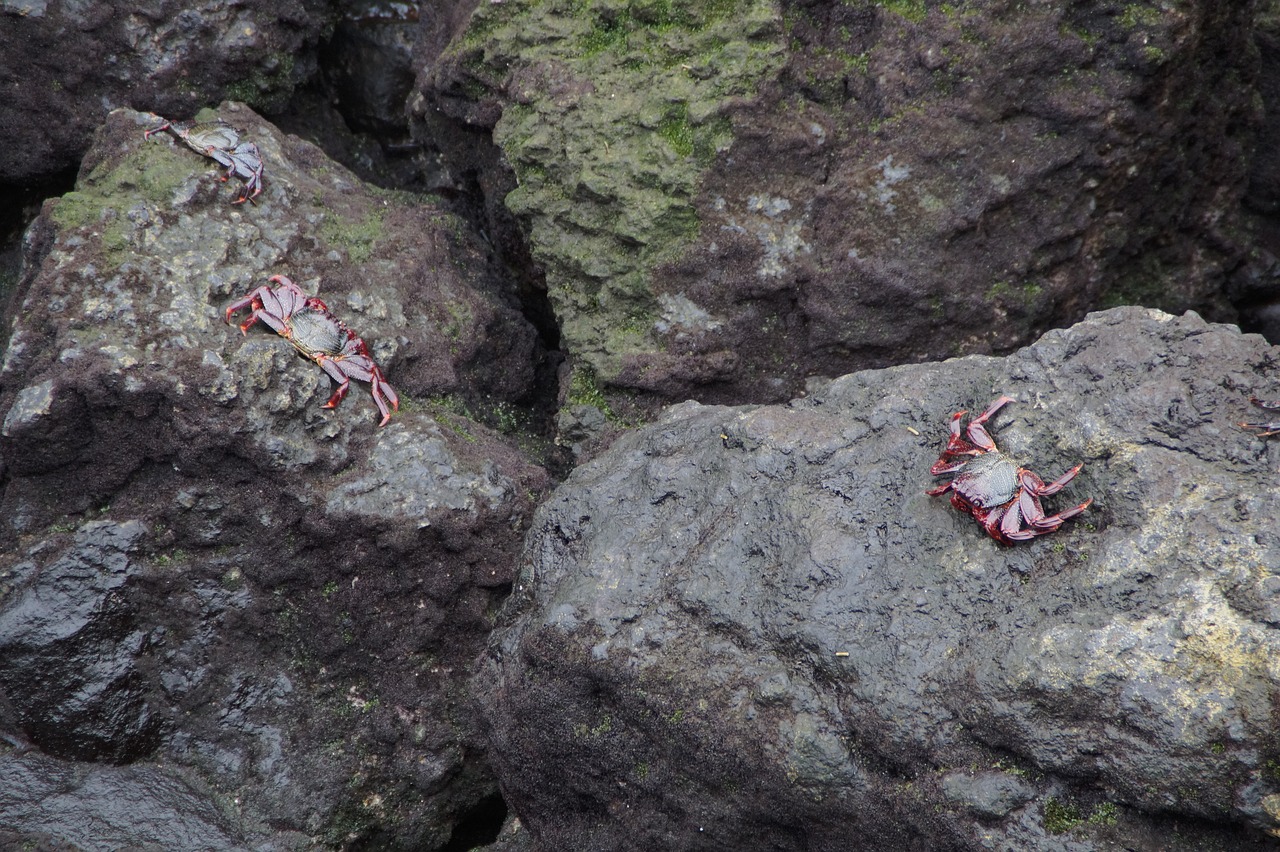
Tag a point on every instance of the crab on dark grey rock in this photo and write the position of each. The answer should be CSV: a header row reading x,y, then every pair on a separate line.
x,y
1001,496
219,141
307,323
1264,430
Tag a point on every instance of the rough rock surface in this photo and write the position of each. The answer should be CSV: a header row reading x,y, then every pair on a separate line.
x,y
110,808
749,628
203,574
64,66
1255,287
728,197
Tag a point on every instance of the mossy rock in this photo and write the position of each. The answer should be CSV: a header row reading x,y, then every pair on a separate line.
x,y
614,111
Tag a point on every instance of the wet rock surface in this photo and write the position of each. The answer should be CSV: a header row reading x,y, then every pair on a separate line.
x,y
265,607
64,66
230,618
68,659
727,198
749,628
114,807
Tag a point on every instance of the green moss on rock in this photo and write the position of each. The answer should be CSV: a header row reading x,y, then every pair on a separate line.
x,y
104,196
356,238
613,112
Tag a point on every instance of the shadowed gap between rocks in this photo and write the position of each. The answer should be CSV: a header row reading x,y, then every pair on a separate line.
x,y
347,110
21,207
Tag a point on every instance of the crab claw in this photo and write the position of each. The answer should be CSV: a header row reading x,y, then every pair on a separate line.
x,y
1264,430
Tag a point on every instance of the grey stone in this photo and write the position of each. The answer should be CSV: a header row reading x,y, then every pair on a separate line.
x,y
990,794
752,624
28,408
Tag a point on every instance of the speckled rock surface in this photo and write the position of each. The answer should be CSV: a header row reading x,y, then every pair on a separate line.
x,y
730,197
750,628
116,807
65,65
206,576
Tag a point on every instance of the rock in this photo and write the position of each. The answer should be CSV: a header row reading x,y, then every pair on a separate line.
x,y
368,61
115,807
208,577
750,628
1254,286
68,648
989,794
729,198
66,65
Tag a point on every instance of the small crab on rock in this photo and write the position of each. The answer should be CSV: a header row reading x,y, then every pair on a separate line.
x,y
220,142
1264,430
306,322
1002,497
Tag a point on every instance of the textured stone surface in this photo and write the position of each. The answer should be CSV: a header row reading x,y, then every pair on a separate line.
x,y
265,607
750,628
109,808
64,66
727,198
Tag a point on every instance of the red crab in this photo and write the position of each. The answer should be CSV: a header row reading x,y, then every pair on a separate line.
x,y
305,321
220,142
1265,430
1001,496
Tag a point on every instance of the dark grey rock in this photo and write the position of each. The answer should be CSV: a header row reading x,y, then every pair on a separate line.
x,y
201,568
750,628
82,808
729,198
990,794
68,649
66,65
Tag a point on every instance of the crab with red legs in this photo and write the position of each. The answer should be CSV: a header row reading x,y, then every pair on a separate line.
x,y
306,322
1264,430
1002,497
220,142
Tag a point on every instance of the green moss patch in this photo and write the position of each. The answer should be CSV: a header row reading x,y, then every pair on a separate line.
x,y
357,237
620,110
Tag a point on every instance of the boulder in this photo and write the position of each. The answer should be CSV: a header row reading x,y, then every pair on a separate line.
x,y
66,65
208,578
728,198
750,628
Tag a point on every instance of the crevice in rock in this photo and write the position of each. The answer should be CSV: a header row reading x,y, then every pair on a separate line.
x,y
350,111
479,825
16,215
1252,290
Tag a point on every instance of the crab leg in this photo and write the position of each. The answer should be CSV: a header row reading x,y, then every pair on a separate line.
x,y
1266,430
1034,512
977,433
382,394
1036,485
339,375
956,447
377,390
253,302
1056,520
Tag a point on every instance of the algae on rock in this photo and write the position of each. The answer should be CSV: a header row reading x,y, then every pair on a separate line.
x,y
615,112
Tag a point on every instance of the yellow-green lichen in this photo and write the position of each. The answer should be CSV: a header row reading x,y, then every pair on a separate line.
x,y
912,10
356,238
103,197
607,171
1139,15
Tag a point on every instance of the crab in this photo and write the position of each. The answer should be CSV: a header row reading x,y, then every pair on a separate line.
x,y
1001,496
221,142
306,322
1265,430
